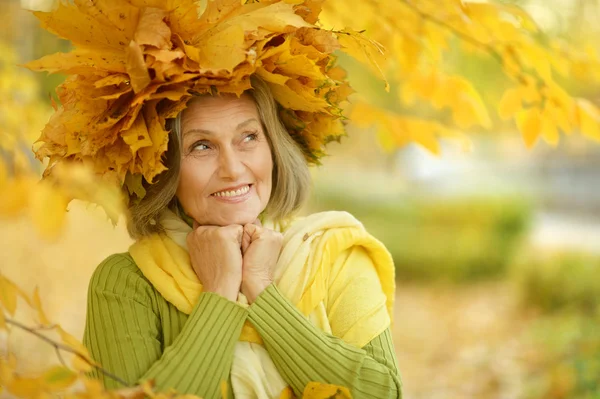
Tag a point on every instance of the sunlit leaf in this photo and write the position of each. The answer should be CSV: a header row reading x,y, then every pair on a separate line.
x,y
317,390
78,363
589,119
365,50
530,125
510,103
8,295
58,378
48,209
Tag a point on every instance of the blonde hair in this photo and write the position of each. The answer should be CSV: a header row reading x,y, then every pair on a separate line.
x,y
291,177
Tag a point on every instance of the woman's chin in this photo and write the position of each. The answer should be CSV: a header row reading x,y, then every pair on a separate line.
x,y
236,219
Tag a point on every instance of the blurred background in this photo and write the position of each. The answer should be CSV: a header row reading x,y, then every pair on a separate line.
x,y
497,249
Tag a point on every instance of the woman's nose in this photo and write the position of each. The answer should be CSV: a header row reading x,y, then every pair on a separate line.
x,y
230,164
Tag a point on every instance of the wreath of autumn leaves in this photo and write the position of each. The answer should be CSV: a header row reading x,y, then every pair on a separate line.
x,y
136,63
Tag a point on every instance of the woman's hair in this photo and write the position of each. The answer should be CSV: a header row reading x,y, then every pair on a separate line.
x,y
291,177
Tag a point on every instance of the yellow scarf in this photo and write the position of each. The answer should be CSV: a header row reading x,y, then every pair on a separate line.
x,y
310,248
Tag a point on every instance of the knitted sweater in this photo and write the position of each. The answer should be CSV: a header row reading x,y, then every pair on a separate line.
x,y
134,333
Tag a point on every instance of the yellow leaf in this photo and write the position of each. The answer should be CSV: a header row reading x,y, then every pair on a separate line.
x,y
3,174
26,388
11,205
78,363
58,378
550,132
224,50
299,65
523,18
530,125
8,295
151,156
408,50
8,367
510,103
272,77
287,393
136,67
136,393
529,92
317,390
81,60
589,119
152,29
538,59
364,50
296,96
37,305
223,389
274,17
82,29
427,139
137,135
560,117
47,209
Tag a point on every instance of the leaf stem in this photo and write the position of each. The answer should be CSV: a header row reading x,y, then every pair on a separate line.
x,y
58,347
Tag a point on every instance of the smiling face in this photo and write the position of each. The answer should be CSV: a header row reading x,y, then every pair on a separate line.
x,y
226,164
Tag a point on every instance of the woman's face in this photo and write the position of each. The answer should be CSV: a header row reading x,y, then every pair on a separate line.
x,y
226,164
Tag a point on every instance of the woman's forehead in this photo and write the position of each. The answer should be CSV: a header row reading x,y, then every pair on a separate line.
x,y
228,112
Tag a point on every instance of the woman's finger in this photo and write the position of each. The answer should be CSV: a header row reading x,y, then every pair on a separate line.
x,y
246,239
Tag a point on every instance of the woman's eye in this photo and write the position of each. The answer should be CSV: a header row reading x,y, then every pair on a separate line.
x,y
200,147
250,137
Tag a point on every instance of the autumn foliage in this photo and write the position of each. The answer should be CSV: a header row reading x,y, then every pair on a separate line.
x,y
419,38
159,53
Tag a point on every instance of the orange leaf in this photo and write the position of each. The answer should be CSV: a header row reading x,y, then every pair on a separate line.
x,y
71,23
152,29
136,67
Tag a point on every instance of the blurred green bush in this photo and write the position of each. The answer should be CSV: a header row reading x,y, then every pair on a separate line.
x,y
452,239
565,287
567,362
559,281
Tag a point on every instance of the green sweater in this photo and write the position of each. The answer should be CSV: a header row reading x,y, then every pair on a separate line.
x,y
134,333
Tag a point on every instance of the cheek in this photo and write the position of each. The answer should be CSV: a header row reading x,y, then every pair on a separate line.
x,y
192,180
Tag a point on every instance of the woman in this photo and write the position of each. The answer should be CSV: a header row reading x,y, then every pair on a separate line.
x,y
208,123
235,161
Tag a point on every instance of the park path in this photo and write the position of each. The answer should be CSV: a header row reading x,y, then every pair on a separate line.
x,y
461,342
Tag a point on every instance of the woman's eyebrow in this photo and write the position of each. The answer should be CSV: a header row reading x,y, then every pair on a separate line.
x,y
210,132
246,123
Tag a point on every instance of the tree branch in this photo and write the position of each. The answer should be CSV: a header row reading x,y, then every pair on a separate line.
x,y
58,347
461,35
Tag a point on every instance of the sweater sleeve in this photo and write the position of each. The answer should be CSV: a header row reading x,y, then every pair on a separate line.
x,y
303,353
123,333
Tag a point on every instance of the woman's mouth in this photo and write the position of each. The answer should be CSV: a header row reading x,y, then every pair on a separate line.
x,y
236,193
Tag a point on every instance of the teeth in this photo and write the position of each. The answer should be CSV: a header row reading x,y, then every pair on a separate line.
x,y
235,193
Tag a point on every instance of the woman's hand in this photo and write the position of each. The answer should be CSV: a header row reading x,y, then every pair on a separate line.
x,y
261,248
216,256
